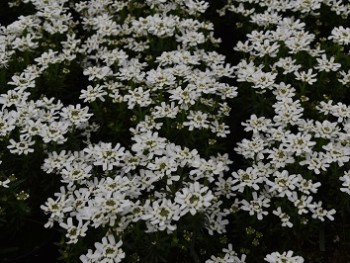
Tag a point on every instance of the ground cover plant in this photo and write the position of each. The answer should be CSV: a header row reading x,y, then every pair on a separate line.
x,y
142,131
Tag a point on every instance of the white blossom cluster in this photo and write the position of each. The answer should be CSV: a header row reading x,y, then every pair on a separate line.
x,y
154,64
290,149
151,66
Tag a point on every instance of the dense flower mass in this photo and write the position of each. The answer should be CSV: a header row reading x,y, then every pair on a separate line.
x,y
127,105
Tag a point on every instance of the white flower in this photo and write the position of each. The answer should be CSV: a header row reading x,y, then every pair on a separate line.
x,y
345,77
76,114
7,121
307,186
284,183
256,205
246,178
194,198
165,110
75,172
288,111
148,144
288,64
318,212
160,216
55,132
21,147
108,251
253,148
193,7
163,165
186,156
190,38
184,97
220,129
230,256
280,157
97,72
325,107
56,208
93,93
206,169
139,97
74,232
327,65
340,110
47,58
55,162
326,129
316,161
307,77
301,203
22,81
340,35
159,78
285,218
13,97
105,155
256,124
337,153
263,80
196,119
266,48
299,143
285,257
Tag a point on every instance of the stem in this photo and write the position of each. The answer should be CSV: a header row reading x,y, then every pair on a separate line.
x,y
192,248
322,242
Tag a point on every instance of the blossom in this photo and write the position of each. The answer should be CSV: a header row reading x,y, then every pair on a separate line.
x,y
285,218
316,162
345,77
230,256
21,147
280,157
196,119
139,97
108,251
256,206
256,124
320,213
284,183
288,64
93,93
184,97
306,76
105,155
248,178
75,172
276,257
76,114
327,65
160,215
194,198
340,35
73,232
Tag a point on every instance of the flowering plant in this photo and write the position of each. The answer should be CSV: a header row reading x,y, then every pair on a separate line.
x,y
151,145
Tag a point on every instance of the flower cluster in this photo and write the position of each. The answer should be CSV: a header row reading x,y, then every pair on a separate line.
x,y
299,134
126,104
144,63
